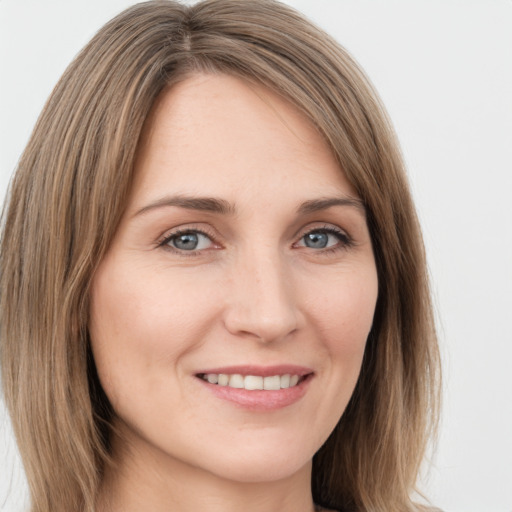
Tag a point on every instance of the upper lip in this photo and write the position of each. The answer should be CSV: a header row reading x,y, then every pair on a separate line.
x,y
263,371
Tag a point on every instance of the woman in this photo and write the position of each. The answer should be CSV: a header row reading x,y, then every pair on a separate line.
x,y
213,281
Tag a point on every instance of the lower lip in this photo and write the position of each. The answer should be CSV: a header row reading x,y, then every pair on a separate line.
x,y
259,400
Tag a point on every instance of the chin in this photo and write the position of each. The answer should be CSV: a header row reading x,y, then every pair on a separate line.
x,y
258,469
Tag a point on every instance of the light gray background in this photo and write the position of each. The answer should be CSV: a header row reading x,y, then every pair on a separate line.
x,y
444,70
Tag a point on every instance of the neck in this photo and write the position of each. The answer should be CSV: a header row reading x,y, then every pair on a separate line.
x,y
141,478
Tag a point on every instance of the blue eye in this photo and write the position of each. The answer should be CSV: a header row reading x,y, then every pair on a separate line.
x,y
189,241
324,239
316,240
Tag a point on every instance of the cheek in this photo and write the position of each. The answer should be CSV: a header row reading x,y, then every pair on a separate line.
x,y
343,315
140,323
341,310
344,307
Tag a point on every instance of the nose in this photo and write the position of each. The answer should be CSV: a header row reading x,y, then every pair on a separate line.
x,y
261,303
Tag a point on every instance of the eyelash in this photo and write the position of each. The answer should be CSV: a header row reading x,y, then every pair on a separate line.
x,y
345,241
165,243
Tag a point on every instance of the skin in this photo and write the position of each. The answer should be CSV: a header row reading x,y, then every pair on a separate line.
x,y
253,292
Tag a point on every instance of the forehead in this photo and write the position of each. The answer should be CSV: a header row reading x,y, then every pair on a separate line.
x,y
219,134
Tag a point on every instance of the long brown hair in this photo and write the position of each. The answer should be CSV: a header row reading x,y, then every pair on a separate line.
x,y
68,195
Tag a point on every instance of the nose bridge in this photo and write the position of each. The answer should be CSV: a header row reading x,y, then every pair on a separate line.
x,y
261,297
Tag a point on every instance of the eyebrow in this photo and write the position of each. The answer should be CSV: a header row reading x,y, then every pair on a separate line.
x,y
205,204
316,205
223,207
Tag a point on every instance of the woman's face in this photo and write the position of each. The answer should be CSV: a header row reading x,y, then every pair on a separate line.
x,y
243,260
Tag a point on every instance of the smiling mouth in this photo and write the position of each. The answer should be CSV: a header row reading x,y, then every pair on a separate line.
x,y
253,382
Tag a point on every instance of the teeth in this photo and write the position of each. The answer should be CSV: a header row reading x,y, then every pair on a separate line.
x,y
252,382
285,381
272,383
236,381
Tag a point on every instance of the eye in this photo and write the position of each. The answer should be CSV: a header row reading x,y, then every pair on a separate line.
x,y
324,238
190,240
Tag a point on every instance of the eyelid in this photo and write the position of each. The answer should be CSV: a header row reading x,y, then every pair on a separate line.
x,y
346,240
163,241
